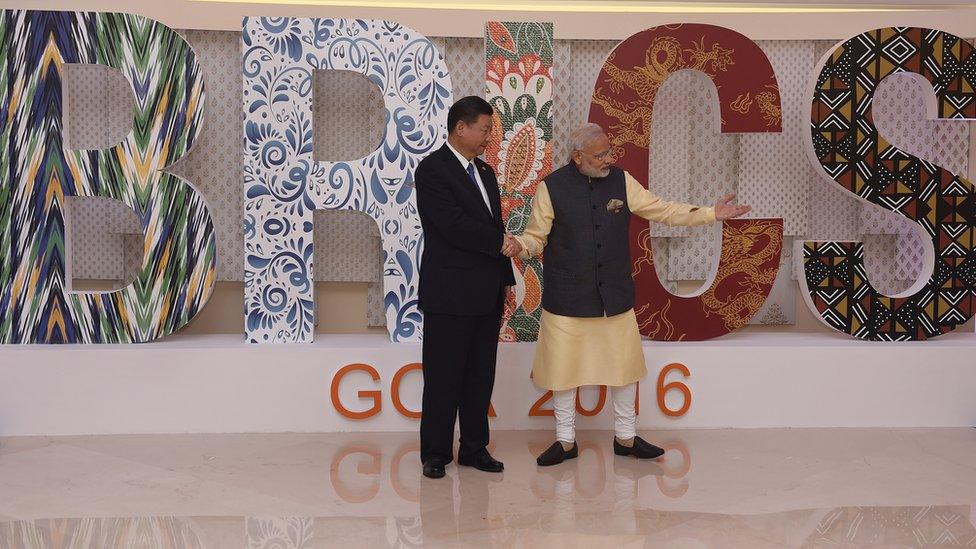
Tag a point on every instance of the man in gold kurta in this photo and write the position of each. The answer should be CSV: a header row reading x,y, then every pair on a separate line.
x,y
589,335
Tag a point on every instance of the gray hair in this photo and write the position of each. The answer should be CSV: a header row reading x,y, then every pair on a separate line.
x,y
583,135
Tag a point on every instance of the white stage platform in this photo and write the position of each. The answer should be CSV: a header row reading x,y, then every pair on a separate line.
x,y
219,384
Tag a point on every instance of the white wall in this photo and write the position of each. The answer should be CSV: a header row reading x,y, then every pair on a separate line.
x,y
216,384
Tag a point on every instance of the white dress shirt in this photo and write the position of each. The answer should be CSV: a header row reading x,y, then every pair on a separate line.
x,y
477,175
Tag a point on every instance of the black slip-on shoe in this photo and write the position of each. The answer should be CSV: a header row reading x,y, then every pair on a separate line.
x,y
554,455
640,450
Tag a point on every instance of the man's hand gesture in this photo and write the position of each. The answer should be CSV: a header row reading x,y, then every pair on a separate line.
x,y
724,209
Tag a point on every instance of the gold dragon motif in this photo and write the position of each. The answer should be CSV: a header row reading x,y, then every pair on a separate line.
x,y
771,113
742,258
662,59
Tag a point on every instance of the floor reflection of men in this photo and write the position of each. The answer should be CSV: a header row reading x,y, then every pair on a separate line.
x,y
568,494
439,521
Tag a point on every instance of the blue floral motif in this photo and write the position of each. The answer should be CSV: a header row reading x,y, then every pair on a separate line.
x,y
284,35
284,184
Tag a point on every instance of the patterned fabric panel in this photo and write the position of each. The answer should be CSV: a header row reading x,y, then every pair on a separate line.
x,y
38,173
284,184
748,96
854,154
518,76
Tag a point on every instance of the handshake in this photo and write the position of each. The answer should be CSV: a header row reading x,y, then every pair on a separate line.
x,y
511,246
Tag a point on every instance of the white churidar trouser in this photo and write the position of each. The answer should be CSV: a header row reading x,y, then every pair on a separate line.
x,y
624,417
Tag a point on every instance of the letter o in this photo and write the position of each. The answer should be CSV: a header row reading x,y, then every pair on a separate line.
x,y
395,390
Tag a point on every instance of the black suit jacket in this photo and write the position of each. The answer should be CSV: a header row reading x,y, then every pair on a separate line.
x,y
462,271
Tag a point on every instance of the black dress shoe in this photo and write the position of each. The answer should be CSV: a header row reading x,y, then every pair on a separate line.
x,y
640,450
554,455
434,468
483,462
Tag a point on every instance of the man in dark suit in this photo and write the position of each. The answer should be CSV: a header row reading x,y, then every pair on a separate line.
x,y
463,274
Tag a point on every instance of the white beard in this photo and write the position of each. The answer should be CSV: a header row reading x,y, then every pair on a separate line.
x,y
595,173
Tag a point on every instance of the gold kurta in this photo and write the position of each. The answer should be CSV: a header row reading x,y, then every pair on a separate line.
x,y
576,351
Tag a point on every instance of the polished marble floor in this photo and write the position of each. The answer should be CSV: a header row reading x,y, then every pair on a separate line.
x,y
713,488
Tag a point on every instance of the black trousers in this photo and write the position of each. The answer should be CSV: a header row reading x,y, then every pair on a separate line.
x,y
459,373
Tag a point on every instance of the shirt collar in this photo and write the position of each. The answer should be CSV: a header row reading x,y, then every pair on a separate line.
x,y
464,161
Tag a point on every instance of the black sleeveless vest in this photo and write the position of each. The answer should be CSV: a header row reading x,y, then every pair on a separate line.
x,y
586,270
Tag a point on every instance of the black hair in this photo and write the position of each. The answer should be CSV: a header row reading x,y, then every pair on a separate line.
x,y
467,109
